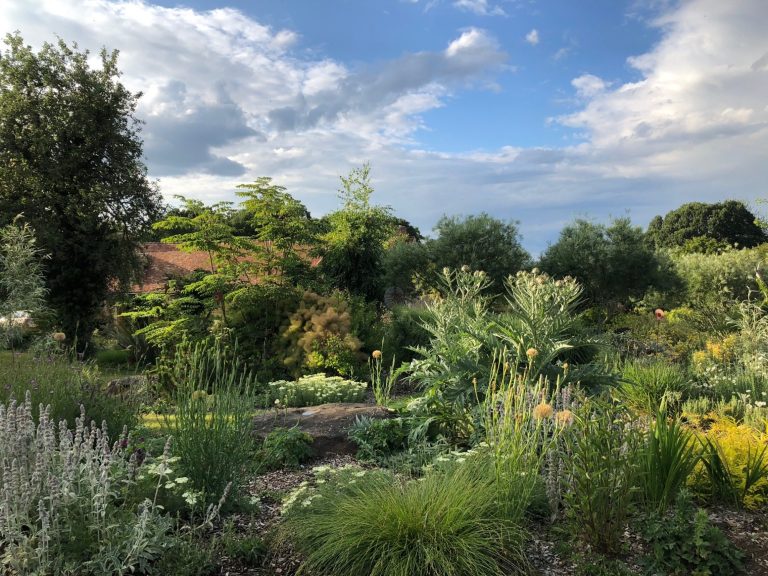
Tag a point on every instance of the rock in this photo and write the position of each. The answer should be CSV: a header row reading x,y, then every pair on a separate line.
x,y
127,385
328,424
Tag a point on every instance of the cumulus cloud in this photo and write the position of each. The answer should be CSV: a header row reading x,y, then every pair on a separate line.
x,y
532,37
480,7
228,99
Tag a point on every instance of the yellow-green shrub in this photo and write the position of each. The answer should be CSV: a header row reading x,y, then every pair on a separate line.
x,y
738,447
319,335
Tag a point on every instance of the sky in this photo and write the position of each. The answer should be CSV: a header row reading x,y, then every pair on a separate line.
x,y
537,111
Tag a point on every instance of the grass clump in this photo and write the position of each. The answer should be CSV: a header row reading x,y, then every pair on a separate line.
x,y
647,387
370,522
211,425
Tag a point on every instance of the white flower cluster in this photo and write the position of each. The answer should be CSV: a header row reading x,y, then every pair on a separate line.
x,y
316,389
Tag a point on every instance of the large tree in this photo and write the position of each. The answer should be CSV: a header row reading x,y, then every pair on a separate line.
x,y
701,227
353,245
71,162
480,242
614,263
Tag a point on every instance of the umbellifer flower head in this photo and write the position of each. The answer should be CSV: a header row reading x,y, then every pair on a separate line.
x,y
543,410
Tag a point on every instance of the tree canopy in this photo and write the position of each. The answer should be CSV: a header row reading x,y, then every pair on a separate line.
x,y
613,263
71,162
353,245
702,227
480,242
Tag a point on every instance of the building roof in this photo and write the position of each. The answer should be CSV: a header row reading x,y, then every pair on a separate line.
x,y
166,261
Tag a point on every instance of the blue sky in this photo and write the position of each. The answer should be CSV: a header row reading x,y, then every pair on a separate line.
x,y
533,110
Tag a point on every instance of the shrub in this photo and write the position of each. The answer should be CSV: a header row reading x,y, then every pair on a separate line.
x,y
647,387
113,357
712,278
543,315
603,469
257,316
315,389
285,448
480,242
319,335
403,330
613,263
62,491
378,439
687,543
211,425
446,524
734,464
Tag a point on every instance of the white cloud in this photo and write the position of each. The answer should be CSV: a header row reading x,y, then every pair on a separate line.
x,y
532,37
479,7
228,99
588,86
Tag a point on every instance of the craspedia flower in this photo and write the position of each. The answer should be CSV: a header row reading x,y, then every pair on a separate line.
x,y
542,411
531,353
564,417
376,354
59,336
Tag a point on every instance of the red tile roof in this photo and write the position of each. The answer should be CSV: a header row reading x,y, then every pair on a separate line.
x,y
165,261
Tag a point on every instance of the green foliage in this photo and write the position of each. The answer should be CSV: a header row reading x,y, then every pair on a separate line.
x,y
353,247
214,400
404,330
521,428
257,318
728,222
318,335
315,389
648,387
404,260
735,459
207,229
64,508
640,334
480,242
541,329
71,161
545,327
377,439
282,224
687,543
446,524
613,263
285,448
714,278
64,386
112,358
604,449
667,460
22,283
